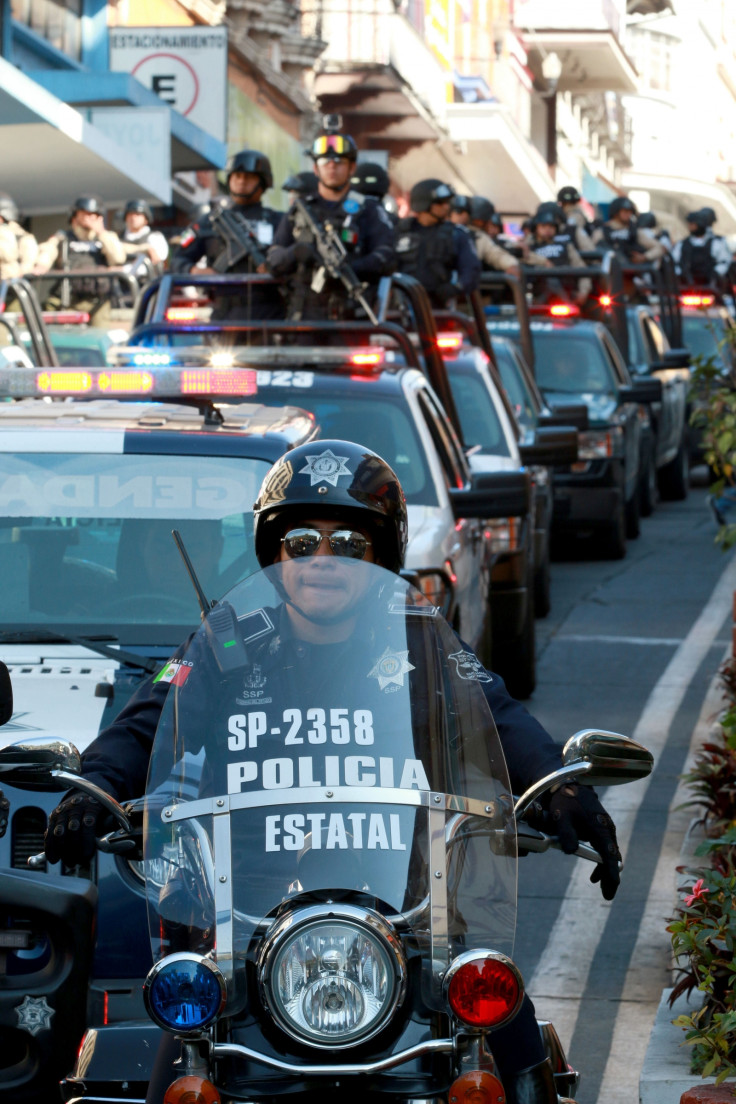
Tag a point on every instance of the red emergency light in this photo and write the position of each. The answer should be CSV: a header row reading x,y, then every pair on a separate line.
x,y
605,300
556,310
696,299
182,314
449,342
66,317
217,381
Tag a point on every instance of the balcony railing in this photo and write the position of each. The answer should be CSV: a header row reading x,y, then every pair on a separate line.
x,y
570,15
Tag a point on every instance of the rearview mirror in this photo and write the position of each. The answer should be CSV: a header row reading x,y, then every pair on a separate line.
x,y
613,759
6,695
493,495
569,414
552,445
645,390
28,764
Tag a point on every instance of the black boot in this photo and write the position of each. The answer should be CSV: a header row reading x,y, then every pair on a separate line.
x,y
535,1085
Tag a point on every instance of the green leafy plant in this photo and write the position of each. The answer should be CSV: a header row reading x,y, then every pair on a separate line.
x,y
714,413
712,778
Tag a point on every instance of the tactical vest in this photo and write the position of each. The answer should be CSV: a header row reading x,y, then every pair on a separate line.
x,y
555,251
428,254
75,254
331,301
697,263
623,240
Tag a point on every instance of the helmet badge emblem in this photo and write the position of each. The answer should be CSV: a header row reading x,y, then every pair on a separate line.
x,y
325,468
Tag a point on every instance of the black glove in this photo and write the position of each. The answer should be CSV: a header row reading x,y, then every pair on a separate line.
x,y
305,252
577,814
4,810
74,826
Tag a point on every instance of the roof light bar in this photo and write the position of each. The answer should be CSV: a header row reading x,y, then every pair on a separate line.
x,y
151,360
186,314
66,317
171,383
449,342
695,299
324,357
556,310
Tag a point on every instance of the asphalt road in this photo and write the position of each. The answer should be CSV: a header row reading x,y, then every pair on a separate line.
x,y
632,647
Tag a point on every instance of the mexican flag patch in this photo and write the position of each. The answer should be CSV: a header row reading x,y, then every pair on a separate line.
x,y
174,672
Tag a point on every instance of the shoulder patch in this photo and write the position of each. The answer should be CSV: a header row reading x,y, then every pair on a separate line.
x,y
469,667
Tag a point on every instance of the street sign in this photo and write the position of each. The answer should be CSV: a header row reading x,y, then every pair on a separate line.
x,y
185,66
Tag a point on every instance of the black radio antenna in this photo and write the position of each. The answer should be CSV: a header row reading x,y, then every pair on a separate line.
x,y
204,605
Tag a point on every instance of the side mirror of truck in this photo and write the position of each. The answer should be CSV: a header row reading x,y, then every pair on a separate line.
x,y
571,414
646,390
493,495
6,695
552,445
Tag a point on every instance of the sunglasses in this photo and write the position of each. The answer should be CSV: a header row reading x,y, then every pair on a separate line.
x,y
332,143
343,542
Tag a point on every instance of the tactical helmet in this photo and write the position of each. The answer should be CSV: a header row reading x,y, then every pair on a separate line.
x,y
496,220
647,220
370,179
460,203
92,204
426,192
303,183
699,219
481,209
334,146
568,194
8,208
139,207
548,214
250,161
333,479
709,214
621,203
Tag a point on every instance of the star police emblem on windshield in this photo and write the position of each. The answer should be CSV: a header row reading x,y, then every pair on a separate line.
x,y
391,668
325,468
34,1015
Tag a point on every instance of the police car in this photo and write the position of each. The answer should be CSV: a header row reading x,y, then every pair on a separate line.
x,y
95,594
709,332
578,361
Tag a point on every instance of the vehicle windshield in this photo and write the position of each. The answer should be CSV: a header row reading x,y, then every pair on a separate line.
x,y
478,415
515,386
703,336
86,545
326,738
572,364
378,421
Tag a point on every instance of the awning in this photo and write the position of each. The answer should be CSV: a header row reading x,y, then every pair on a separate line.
x,y
52,153
191,147
680,195
490,153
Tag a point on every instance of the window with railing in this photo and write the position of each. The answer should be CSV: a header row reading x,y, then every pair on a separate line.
x,y
651,53
59,22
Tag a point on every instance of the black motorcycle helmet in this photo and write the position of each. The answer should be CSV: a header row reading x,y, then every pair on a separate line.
x,y
568,194
92,204
481,209
460,203
251,161
139,207
426,192
710,216
333,146
337,479
647,220
370,179
620,203
8,208
303,183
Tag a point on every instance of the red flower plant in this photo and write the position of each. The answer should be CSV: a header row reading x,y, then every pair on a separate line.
x,y
697,893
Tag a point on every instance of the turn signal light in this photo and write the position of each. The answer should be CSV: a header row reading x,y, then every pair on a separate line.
x,y
192,1090
483,988
477,1087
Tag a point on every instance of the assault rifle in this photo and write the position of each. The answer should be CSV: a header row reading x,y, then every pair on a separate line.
x,y
239,236
334,259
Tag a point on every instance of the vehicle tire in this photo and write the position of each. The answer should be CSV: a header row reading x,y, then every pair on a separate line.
x,y
674,478
515,659
633,518
542,582
612,539
648,491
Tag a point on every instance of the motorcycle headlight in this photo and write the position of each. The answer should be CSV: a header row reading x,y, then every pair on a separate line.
x,y
332,979
184,992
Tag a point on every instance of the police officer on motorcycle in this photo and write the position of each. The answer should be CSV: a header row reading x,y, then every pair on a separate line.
x,y
432,249
363,226
248,174
18,248
702,259
362,517
621,233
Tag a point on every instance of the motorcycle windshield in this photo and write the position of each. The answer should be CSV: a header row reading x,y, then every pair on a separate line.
x,y
327,738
